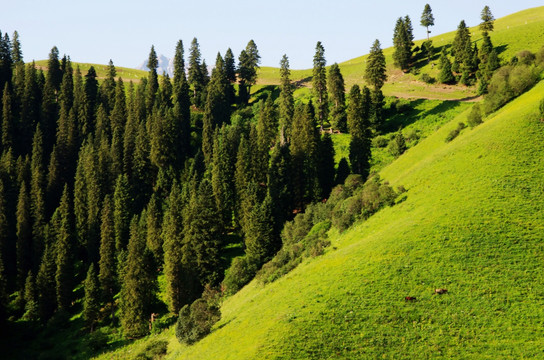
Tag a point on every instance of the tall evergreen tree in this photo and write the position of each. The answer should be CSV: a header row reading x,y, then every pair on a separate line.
x,y
91,99
445,76
121,212
138,284
154,223
107,264
45,281
403,45
459,45
7,119
427,18
319,84
174,268
487,24
107,89
54,73
153,81
24,236
325,165
248,64
230,71
195,75
16,51
338,97
286,100
261,241
91,301
359,127
375,67
203,234
280,185
64,275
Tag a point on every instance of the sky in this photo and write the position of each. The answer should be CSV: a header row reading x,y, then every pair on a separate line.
x,y
99,30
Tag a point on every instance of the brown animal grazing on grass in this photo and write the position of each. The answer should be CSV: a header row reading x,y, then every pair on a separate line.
x,y
410,298
440,291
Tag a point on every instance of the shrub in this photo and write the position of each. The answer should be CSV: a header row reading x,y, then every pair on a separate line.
x,y
475,116
397,145
380,141
97,340
455,132
162,323
426,78
240,272
507,83
196,321
525,57
154,350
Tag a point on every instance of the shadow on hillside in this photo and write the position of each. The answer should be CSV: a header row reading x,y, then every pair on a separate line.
x,y
264,92
302,82
399,121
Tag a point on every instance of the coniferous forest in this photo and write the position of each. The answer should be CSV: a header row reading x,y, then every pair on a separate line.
x,y
113,192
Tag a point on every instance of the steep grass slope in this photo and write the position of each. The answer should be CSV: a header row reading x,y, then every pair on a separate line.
x,y
523,30
472,222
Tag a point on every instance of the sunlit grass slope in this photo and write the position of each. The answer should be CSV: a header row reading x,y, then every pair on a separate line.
x,y
472,222
523,30
126,74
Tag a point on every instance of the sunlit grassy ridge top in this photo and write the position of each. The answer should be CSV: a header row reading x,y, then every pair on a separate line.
x,y
523,30
126,74
472,223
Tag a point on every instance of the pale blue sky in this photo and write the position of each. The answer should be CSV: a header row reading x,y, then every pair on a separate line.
x,y
95,31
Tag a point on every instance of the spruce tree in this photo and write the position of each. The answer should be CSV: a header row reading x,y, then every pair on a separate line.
x,y
261,241
31,298
359,127
427,18
24,236
249,60
91,301
338,98
195,75
286,100
179,63
445,76
375,67
107,89
107,263
138,285
319,84
16,51
121,212
7,119
487,24
172,236
64,275
203,234
91,101
325,165
280,185
182,113
230,71
459,45
45,280
37,194
403,45
154,223
54,73
153,80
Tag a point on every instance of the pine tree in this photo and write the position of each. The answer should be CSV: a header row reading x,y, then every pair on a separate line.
x,y
359,127
196,77
267,124
37,194
138,284
182,113
280,185
325,165
319,83
54,73
45,281
65,251
153,82
24,236
179,64
427,18
445,76
304,145
487,24
142,171
248,64
91,101
107,89
16,52
107,263
121,212
230,71
91,301
338,98
403,45
7,119
286,100
217,111
203,234
30,109
6,60
172,236
154,221
375,67
261,242
31,298
459,45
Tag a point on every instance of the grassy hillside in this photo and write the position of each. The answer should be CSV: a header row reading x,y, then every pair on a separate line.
x,y
520,31
126,74
472,223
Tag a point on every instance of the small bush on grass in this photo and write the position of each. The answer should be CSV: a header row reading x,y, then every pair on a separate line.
x,y
455,132
475,116
196,321
240,272
426,78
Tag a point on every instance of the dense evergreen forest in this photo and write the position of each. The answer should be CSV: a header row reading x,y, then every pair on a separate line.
x,y
107,187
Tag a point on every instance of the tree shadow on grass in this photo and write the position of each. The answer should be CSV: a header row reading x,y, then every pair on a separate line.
x,y
264,92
